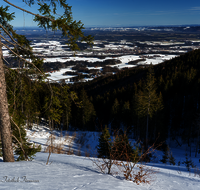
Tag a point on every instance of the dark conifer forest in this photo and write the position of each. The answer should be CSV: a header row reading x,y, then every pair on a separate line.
x,y
149,103
176,83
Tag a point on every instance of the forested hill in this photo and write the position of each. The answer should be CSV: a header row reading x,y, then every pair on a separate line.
x,y
157,101
173,70
115,98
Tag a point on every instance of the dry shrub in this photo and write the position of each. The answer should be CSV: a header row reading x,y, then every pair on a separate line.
x,y
87,151
53,147
144,175
196,172
70,139
131,159
179,171
106,165
33,133
57,146
78,153
115,167
81,139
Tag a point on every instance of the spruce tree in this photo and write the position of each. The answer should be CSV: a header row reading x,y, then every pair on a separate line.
x,y
104,146
166,155
53,107
172,159
24,149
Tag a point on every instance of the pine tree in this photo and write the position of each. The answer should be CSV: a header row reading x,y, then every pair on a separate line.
x,y
21,48
86,111
104,146
148,102
115,115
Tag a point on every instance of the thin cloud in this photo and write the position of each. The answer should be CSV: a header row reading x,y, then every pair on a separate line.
x,y
156,13
195,9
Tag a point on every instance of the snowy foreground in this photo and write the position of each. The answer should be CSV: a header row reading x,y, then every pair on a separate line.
x,y
78,172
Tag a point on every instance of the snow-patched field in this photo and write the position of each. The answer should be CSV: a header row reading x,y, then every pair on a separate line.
x,y
150,59
73,172
159,58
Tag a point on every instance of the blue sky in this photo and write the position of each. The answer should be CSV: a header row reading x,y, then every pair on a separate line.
x,y
111,13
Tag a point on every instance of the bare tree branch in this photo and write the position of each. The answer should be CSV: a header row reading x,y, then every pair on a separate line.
x,y
23,59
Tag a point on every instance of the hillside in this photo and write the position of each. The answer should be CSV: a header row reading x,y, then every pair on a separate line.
x,y
79,172
177,80
117,101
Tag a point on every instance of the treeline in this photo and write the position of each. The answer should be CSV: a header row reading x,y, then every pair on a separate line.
x,y
78,64
153,102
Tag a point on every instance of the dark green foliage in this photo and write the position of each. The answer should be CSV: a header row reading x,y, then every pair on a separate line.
x,y
147,98
83,114
166,155
116,114
126,115
24,149
24,102
122,100
119,149
104,146
66,106
188,163
53,107
177,99
23,98
148,102
70,28
172,159
123,150
87,110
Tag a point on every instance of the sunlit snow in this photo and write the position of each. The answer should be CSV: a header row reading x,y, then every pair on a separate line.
x,y
73,172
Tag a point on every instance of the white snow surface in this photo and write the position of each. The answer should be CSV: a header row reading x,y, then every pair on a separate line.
x,y
58,75
73,172
151,58
124,59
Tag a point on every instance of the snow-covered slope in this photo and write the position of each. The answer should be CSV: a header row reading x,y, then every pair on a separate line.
x,y
75,172
79,172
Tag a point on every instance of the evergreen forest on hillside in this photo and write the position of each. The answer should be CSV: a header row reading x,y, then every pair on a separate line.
x,y
149,103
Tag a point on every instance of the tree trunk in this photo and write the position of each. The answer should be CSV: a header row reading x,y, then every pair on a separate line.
x,y
147,128
147,131
5,126
198,134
